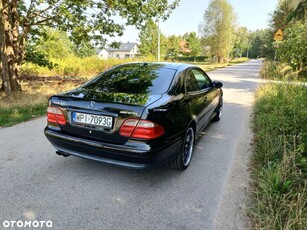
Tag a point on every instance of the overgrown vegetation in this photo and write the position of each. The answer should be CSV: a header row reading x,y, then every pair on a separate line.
x,y
218,29
31,103
79,68
278,71
293,49
279,165
71,66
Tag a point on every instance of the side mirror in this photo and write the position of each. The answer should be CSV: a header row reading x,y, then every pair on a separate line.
x,y
217,84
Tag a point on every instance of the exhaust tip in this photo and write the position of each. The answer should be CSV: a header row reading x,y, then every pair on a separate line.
x,y
62,154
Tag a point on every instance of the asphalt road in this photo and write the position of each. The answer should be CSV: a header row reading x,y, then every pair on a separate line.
x,y
73,193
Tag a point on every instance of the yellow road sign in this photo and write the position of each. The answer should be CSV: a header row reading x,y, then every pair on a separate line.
x,y
279,35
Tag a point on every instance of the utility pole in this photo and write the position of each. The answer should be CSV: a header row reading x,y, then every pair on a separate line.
x,y
158,39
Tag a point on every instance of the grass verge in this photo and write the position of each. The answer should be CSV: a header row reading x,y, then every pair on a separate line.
x,y
281,71
279,164
29,103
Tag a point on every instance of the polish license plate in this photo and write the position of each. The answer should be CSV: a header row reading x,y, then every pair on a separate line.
x,y
91,119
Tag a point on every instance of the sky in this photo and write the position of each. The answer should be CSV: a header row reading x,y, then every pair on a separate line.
x,y
253,14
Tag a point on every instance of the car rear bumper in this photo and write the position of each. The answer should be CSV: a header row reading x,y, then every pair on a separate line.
x,y
133,155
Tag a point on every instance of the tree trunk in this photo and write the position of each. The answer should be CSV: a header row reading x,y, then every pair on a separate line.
x,y
1,32
219,59
22,46
15,34
4,59
12,37
9,39
1,78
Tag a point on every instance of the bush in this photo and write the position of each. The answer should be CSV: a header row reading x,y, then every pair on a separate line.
x,y
192,59
71,67
32,69
277,71
75,67
279,164
239,60
293,49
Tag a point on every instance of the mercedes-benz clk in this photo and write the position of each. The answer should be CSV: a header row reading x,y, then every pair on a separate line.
x,y
137,115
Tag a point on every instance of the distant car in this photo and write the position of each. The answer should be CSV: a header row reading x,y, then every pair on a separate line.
x,y
137,115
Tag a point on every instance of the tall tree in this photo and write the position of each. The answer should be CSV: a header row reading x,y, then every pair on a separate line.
x,y
294,48
291,15
149,40
299,12
172,47
287,12
280,14
85,20
85,49
217,28
261,44
242,41
54,44
193,43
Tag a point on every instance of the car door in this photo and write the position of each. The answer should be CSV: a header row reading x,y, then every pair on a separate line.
x,y
210,94
196,98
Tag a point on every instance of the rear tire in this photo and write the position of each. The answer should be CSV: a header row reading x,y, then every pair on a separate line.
x,y
186,151
218,111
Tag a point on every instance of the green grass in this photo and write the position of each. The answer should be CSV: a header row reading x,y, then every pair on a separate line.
x,y
30,103
213,66
208,66
279,164
281,71
17,114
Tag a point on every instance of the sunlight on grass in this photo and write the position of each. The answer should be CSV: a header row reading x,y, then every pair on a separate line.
x,y
29,103
211,67
33,93
279,164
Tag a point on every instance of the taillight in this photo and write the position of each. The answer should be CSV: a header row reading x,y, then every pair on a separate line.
x,y
55,115
142,129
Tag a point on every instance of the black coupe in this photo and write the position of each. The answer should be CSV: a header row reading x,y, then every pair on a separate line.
x,y
136,115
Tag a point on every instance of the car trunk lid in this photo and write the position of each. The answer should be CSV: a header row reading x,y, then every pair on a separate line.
x,y
114,108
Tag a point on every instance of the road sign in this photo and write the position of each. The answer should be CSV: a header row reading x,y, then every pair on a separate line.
x,y
279,35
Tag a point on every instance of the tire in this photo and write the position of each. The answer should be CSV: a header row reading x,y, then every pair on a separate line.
x,y
185,155
218,111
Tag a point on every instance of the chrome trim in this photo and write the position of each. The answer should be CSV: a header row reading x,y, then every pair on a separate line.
x,y
108,161
93,143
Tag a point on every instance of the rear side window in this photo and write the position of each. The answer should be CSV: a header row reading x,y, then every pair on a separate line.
x,y
133,79
196,81
191,82
202,80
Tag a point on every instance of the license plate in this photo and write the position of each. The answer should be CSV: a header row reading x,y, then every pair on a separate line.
x,y
91,119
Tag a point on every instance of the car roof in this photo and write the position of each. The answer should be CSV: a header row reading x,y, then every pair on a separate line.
x,y
165,65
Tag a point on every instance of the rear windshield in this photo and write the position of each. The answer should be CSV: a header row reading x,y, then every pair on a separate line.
x,y
133,79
